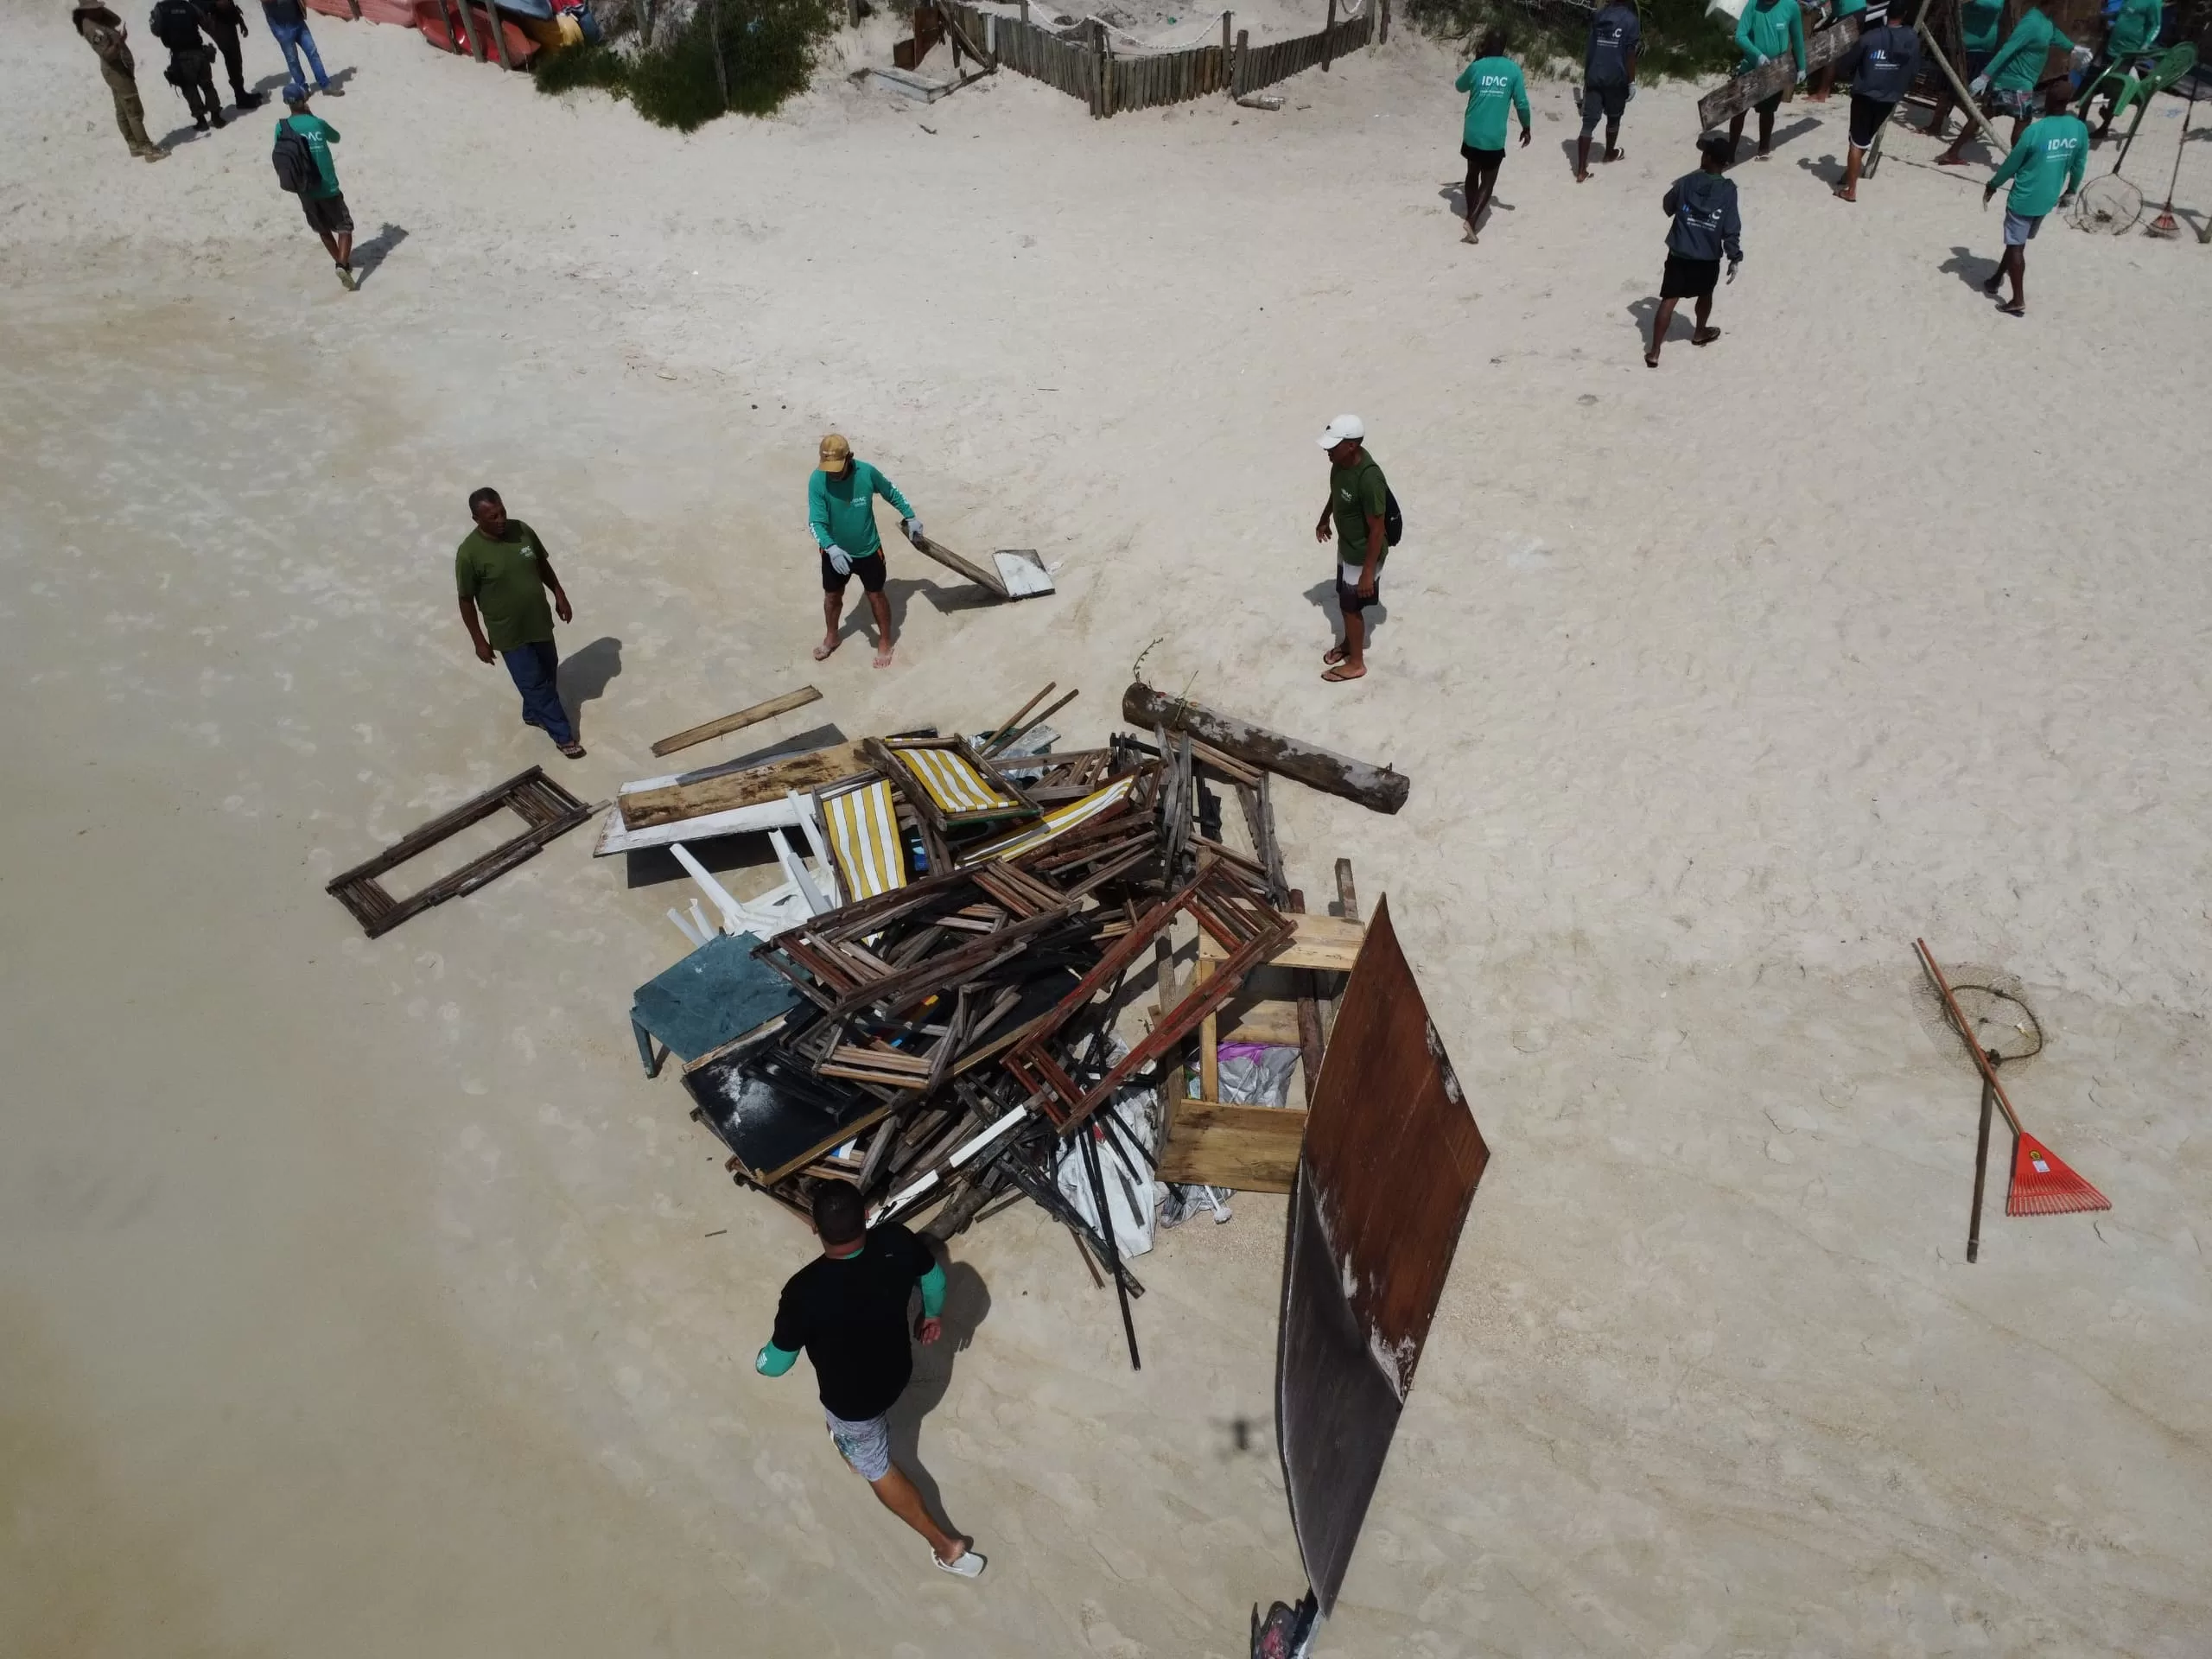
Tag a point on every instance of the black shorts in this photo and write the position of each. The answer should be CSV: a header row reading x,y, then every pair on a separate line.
x,y
1689,279
1608,101
1348,599
1767,107
870,570
1867,114
329,215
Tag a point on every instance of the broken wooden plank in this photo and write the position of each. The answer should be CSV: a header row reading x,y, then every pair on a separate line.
x,y
754,786
1733,98
989,580
738,721
1377,788
1253,1148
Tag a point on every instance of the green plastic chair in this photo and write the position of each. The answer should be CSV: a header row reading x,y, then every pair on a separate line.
x,y
2136,91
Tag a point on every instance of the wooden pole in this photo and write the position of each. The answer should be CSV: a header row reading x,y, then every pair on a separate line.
x,y
1236,67
1377,788
714,45
498,33
1980,1172
475,35
1105,72
1383,37
1328,37
1967,100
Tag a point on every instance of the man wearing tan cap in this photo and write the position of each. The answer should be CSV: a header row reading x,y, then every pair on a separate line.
x,y
840,510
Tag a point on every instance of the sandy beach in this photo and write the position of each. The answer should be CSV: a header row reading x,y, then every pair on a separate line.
x,y
363,1298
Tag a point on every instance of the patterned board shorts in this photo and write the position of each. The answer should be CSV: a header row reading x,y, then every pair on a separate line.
x,y
865,1445
2018,102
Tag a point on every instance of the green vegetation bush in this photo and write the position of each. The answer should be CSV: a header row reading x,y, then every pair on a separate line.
x,y
767,50
1679,39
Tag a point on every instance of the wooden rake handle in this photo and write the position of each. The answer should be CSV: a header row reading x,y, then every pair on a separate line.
x,y
1959,1024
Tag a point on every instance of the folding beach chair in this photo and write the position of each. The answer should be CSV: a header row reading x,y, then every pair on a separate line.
x,y
1053,825
861,823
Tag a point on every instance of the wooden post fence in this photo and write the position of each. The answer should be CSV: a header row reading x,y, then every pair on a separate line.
x,y
1328,35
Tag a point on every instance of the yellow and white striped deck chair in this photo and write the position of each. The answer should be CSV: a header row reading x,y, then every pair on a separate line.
x,y
1052,825
955,785
861,823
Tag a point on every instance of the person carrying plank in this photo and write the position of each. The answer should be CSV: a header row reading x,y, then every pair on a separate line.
x,y
1981,23
1491,82
840,510
1706,224
2130,45
2010,80
2045,168
1824,83
1608,79
847,1310
1766,30
1881,63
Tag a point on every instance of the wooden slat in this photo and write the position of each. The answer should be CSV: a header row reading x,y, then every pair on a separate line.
x,y
1330,944
1253,1148
742,718
755,785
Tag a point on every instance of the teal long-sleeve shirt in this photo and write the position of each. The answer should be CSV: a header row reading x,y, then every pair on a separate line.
x,y
772,1361
841,510
1490,84
2046,164
1768,28
2018,63
2135,31
1980,21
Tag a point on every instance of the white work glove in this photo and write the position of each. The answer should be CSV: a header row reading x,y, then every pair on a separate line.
x,y
913,527
840,561
1760,60
1978,85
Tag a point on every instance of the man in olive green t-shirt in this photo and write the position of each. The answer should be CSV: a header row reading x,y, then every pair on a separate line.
x,y
1359,503
502,572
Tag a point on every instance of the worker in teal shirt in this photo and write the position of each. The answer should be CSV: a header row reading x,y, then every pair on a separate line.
x,y
1981,23
1765,31
2134,39
1491,82
1843,9
2011,77
2045,168
840,510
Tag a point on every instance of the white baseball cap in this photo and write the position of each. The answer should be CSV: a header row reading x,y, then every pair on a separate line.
x,y
1345,429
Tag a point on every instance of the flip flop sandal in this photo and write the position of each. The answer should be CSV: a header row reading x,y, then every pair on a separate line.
x,y
1332,655
1704,337
1337,676
2012,310
574,751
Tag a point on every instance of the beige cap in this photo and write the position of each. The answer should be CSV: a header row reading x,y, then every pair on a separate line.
x,y
835,452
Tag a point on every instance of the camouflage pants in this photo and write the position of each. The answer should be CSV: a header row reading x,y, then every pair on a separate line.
x,y
129,113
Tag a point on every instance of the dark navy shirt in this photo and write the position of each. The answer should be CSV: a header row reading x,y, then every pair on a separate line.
x,y
1882,62
1705,219
1614,34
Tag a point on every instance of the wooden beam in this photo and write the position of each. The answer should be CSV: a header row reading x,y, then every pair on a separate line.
x,y
953,561
1377,788
754,786
742,718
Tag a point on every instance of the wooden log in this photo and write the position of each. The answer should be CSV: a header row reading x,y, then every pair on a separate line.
x,y
673,803
1377,788
1237,67
742,718
1309,1014
1328,31
1347,895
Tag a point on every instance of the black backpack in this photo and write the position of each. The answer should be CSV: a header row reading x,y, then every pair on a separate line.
x,y
1393,521
175,24
294,161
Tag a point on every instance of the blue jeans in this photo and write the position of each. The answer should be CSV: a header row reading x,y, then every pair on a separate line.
x,y
293,39
534,667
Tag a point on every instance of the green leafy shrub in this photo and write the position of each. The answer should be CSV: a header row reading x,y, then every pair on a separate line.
x,y
766,49
1679,39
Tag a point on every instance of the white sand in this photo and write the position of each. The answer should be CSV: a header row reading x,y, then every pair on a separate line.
x,y
360,1298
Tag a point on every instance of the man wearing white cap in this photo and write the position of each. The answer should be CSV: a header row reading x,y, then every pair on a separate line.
x,y
840,510
1361,505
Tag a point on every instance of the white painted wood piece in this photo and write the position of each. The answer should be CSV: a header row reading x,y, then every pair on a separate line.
x,y
1023,572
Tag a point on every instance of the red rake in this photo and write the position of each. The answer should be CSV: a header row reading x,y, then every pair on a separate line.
x,y
2044,1186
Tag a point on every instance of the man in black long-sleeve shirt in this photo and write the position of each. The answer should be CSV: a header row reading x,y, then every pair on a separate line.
x,y
1608,78
226,26
1881,63
1707,225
